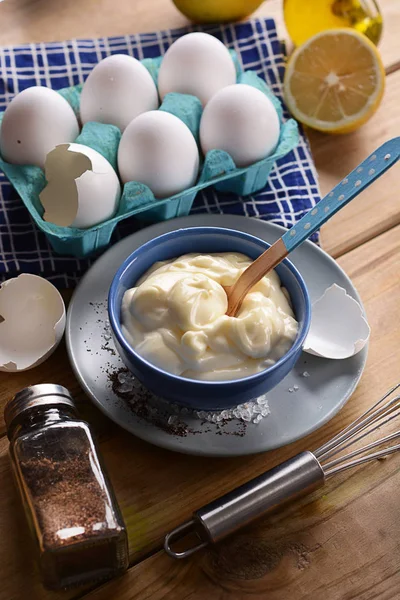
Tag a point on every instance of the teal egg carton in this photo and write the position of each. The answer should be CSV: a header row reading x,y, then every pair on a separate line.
x,y
217,169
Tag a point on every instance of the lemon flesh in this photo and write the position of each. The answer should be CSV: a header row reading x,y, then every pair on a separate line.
x,y
335,81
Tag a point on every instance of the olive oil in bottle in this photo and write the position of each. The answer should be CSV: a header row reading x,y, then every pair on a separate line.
x,y
305,18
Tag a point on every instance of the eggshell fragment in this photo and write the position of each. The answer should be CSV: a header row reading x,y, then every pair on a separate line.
x,y
338,327
82,190
32,322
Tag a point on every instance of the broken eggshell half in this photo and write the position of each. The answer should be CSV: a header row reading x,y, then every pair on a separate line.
x,y
338,327
82,187
32,322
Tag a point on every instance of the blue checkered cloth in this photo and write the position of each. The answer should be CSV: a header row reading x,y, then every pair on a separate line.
x,y
292,188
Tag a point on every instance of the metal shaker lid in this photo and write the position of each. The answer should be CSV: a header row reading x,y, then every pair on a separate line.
x,y
43,394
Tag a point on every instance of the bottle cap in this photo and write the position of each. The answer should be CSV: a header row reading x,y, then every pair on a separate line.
x,y
34,396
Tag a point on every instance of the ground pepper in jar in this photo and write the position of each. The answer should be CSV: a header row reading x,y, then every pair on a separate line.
x,y
66,494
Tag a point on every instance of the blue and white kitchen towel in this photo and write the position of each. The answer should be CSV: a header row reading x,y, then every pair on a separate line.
x,y
292,187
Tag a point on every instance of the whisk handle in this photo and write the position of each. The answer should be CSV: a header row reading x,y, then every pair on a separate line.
x,y
254,499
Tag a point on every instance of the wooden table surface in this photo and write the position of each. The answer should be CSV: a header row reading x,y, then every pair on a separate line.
x,y
340,543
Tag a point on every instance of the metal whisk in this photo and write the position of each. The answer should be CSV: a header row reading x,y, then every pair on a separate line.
x,y
302,473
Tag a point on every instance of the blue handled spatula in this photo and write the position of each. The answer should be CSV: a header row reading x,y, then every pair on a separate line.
x,y
360,178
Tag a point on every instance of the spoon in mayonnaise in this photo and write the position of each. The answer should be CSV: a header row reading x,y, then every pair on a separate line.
x,y
351,186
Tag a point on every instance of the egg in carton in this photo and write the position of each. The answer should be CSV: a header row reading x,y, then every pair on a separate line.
x,y
217,169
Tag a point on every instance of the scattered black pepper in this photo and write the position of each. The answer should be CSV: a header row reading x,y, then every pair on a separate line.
x,y
139,405
108,348
99,307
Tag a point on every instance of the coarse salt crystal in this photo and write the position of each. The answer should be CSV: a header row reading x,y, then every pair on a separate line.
x,y
125,387
253,411
246,415
121,377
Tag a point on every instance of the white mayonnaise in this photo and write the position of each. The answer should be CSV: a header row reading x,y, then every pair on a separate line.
x,y
175,318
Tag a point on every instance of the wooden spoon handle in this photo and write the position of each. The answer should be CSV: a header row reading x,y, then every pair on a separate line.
x,y
256,271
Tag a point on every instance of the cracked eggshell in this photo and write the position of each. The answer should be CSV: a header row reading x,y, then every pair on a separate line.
x,y
338,327
82,187
32,322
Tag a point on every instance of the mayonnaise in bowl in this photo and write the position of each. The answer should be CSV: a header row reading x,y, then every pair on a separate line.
x,y
175,318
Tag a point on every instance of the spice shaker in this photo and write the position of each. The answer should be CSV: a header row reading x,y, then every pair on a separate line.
x,y
67,497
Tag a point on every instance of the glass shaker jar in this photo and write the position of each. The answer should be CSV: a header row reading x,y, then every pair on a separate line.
x,y
69,502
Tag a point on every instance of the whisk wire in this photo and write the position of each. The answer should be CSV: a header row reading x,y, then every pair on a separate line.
x,y
373,415
365,449
332,442
376,420
359,461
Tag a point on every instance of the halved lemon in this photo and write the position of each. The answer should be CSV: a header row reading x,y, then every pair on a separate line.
x,y
335,81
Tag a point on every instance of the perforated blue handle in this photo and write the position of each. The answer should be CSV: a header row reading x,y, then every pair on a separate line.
x,y
370,169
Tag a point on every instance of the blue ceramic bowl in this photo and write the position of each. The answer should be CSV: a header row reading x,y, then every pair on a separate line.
x,y
204,395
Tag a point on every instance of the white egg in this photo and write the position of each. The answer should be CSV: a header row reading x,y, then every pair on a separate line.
x,y
241,120
82,187
32,324
159,150
197,64
117,90
35,121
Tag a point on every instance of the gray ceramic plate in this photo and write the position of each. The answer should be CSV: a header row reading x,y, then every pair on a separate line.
x,y
294,414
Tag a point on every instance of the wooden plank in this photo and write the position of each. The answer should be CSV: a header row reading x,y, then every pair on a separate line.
x,y
340,542
359,519
388,45
158,489
335,156
26,21
378,208
32,20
